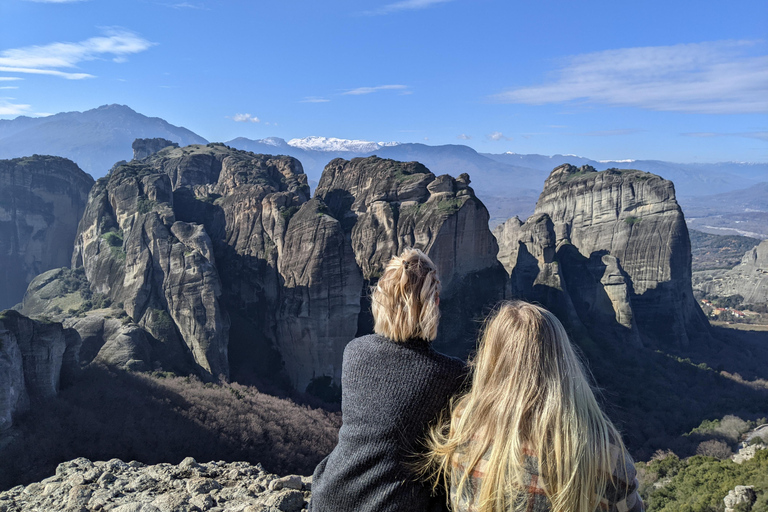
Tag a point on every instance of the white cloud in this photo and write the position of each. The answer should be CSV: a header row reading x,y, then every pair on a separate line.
x,y
497,136
12,109
245,118
314,99
611,133
749,135
720,77
51,58
406,5
9,78
369,90
187,5
7,87
464,136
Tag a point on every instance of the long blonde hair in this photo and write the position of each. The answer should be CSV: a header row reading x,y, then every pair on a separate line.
x,y
529,396
404,302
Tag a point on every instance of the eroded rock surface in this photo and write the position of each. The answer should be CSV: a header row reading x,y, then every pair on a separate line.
x,y
82,485
142,148
610,248
41,201
748,279
385,206
34,358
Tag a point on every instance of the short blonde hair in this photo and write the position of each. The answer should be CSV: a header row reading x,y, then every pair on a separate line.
x,y
404,302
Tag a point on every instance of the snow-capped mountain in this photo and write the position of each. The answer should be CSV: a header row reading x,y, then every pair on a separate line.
x,y
334,144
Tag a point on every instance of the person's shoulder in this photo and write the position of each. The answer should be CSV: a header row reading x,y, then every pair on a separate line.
x,y
365,343
451,365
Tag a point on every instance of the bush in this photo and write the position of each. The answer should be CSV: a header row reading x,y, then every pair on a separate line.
x,y
714,448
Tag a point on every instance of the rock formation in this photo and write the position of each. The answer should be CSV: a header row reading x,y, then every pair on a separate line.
x,y
190,241
740,499
34,358
142,148
748,279
608,251
41,201
135,487
385,206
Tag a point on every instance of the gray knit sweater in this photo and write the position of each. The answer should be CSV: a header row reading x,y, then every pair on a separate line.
x,y
390,393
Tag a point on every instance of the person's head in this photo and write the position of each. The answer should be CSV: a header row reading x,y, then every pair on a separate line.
x,y
530,396
405,301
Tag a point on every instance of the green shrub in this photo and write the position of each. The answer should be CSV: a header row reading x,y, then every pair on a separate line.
x,y
631,220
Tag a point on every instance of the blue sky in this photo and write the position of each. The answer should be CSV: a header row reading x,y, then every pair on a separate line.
x,y
683,81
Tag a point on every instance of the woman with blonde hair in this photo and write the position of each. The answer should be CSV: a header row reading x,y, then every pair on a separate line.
x,y
529,435
393,385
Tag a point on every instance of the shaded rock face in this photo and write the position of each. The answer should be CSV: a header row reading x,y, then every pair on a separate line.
x,y
34,358
41,201
748,279
611,251
142,148
135,487
386,206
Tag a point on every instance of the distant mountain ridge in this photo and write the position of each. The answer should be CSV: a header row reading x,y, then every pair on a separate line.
x,y
94,139
509,183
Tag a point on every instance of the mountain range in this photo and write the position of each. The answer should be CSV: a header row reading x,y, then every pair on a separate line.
x,y
508,182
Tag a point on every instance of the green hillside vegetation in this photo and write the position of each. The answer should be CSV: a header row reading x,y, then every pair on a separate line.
x,y
699,483
718,251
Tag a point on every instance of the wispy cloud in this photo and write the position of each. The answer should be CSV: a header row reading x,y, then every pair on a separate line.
x,y
464,136
245,118
611,133
370,90
497,136
9,78
6,87
188,5
314,99
52,58
721,77
749,135
12,109
406,5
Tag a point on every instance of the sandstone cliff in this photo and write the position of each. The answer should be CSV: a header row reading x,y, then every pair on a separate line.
x,y
41,201
610,249
748,279
34,358
385,206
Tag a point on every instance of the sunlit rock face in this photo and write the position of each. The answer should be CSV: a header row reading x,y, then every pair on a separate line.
x,y
385,206
614,245
748,279
41,201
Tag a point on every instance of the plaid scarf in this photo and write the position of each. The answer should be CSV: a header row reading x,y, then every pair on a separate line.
x,y
620,496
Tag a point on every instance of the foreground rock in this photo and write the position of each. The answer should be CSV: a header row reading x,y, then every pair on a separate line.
x,y
41,201
608,251
82,485
34,358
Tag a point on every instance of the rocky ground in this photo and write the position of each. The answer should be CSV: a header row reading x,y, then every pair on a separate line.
x,y
81,485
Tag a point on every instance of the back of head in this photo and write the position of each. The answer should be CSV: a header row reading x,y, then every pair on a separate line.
x,y
530,397
404,302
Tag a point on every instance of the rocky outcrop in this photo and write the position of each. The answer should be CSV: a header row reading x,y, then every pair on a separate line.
x,y
385,206
41,201
34,358
109,335
609,251
190,242
142,148
741,498
748,279
135,487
